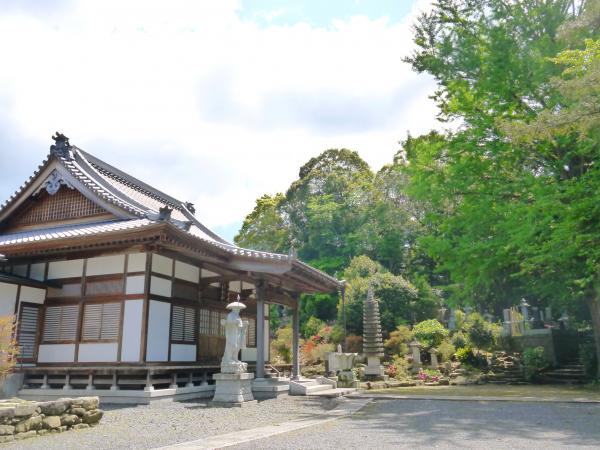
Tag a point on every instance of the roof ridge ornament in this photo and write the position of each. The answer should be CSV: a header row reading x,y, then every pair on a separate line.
x,y
53,183
164,214
61,147
190,207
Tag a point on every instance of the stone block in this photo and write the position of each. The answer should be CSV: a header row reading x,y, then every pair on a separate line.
x,y
93,416
25,435
80,426
69,420
42,432
31,423
50,422
55,407
233,388
25,409
7,429
78,411
86,402
8,438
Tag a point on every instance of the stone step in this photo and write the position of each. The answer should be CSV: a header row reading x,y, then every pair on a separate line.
x,y
332,393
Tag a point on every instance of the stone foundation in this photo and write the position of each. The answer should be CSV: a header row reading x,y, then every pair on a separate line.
x,y
20,419
233,389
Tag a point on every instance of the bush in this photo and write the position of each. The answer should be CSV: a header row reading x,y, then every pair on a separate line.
x,y
534,362
398,340
337,335
587,357
446,350
354,343
479,331
459,340
281,346
312,326
468,357
399,367
430,333
429,375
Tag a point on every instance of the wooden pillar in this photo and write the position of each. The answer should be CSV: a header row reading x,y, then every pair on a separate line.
x,y
260,328
114,386
296,339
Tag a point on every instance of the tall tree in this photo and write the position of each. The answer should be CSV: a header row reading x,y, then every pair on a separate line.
x,y
514,189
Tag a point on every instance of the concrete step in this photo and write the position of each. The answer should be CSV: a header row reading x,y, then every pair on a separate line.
x,y
332,393
307,386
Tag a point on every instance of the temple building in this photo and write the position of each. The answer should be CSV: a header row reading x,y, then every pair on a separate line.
x,y
118,288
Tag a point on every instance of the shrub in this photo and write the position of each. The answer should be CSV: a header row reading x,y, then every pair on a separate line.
x,y
479,331
8,346
281,346
446,350
337,335
534,362
399,366
429,375
312,326
430,333
459,340
354,343
587,356
468,357
398,340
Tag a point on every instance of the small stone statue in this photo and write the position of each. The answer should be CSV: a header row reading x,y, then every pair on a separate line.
x,y
235,339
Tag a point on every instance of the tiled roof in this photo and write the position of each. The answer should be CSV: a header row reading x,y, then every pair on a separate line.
x,y
71,231
141,205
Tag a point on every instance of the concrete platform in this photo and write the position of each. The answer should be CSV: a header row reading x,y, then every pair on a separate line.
x,y
122,396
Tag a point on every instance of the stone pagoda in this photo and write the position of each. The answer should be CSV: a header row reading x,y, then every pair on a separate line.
x,y
372,340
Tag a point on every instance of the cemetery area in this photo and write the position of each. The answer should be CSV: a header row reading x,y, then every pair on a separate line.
x,y
463,348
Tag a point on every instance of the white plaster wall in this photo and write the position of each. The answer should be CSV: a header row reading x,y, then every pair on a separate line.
x,y
207,273
136,262
183,352
187,272
8,297
162,264
105,265
132,330
135,284
56,353
32,295
98,352
65,269
37,271
159,318
160,286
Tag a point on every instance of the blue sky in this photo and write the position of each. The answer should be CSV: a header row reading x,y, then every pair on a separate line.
x,y
217,102
321,13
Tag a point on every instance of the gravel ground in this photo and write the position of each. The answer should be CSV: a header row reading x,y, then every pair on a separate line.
x,y
163,423
415,424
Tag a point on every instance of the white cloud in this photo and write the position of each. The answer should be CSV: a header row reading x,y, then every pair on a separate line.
x,y
206,106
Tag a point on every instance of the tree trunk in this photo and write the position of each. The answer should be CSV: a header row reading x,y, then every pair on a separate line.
x,y
594,306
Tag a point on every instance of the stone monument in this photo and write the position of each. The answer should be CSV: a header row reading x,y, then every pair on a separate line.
x,y
234,383
372,340
345,362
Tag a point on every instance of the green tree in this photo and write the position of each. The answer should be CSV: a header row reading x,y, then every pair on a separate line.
x,y
514,190
399,300
265,228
